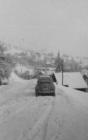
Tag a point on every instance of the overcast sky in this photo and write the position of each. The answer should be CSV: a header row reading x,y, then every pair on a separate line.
x,y
46,24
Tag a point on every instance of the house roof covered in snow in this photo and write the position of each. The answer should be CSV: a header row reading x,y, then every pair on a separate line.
x,y
73,79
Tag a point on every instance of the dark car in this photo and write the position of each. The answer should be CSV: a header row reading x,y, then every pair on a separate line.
x,y
45,86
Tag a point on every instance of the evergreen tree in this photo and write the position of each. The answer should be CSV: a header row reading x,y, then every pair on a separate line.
x,y
58,62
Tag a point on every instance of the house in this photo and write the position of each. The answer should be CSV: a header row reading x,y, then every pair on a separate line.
x,y
22,69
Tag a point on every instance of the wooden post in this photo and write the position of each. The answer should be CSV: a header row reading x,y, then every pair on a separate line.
x,y
62,73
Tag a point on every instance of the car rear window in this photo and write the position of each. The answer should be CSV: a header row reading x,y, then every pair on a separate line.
x,y
44,80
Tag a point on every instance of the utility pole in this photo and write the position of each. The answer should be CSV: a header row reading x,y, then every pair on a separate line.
x,y
62,64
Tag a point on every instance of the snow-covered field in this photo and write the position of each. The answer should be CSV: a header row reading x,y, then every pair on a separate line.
x,y
26,117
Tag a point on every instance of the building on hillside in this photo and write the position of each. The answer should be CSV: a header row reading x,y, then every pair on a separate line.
x,y
22,69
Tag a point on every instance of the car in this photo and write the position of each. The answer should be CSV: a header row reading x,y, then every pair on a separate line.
x,y
45,86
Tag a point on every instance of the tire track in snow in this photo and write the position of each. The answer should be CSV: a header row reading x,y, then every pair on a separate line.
x,y
39,131
7,113
47,120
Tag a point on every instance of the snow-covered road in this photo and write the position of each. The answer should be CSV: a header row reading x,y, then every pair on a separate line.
x,y
26,117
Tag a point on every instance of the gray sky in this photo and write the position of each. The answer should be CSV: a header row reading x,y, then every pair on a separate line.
x,y
46,24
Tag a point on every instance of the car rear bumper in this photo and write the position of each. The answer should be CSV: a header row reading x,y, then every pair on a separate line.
x,y
45,93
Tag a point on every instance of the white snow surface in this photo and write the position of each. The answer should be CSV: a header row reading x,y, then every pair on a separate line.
x,y
26,117
14,77
73,79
